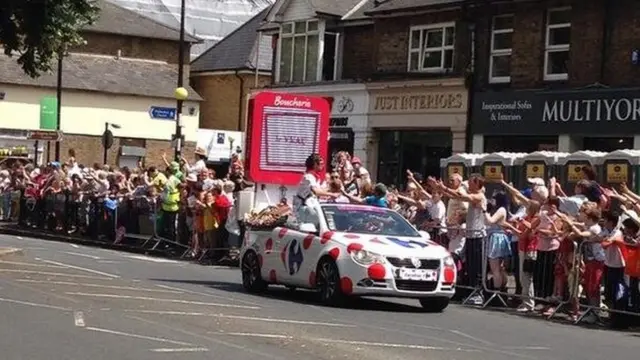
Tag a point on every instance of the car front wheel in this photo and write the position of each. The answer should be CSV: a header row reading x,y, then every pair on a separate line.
x,y
251,273
328,283
434,304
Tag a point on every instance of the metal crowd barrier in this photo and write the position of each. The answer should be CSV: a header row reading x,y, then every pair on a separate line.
x,y
537,283
137,221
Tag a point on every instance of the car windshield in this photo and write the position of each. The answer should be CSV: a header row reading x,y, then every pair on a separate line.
x,y
367,220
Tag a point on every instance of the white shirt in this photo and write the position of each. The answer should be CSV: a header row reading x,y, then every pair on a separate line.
x,y
438,212
364,174
197,167
570,205
304,188
613,255
454,205
457,239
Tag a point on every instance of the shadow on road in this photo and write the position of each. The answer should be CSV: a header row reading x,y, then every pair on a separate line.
x,y
303,296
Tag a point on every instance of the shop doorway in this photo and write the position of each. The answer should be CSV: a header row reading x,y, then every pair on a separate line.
x,y
418,151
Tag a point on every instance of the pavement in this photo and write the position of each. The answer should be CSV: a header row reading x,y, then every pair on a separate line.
x,y
68,301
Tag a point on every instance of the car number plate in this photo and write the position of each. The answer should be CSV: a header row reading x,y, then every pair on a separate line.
x,y
417,274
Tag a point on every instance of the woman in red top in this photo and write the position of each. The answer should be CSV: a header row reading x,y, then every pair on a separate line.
x,y
527,243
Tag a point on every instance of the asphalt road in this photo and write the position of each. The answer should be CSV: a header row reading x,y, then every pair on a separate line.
x,y
64,301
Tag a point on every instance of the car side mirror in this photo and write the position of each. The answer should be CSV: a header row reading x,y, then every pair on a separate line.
x,y
308,228
425,235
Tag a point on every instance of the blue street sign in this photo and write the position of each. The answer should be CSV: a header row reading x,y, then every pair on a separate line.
x,y
164,113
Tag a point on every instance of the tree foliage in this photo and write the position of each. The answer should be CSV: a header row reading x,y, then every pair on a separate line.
x,y
35,31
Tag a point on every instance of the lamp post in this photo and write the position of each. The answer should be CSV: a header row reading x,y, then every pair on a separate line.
x,y
59,101
107,140
180,93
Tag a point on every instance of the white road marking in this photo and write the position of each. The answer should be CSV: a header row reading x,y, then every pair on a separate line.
x,y
82,255
53,274
152,259
78,319
470,337
267,336
239,317
31,264
526,348
75,246
45,306
177,301
391,345
98,286
180,350
19,237
109,261
144,337
206,294
82,269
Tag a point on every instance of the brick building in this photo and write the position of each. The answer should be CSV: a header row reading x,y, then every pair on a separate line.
x,y
225,74
393,106
555,75
124,75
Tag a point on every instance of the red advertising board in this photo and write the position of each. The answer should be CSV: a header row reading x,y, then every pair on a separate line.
x,y
283,130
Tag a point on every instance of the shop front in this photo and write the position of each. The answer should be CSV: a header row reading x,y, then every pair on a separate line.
x,y
348,122
416,124
567,121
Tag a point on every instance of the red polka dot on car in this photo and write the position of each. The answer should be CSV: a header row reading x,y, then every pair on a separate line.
x,y
326,237
334,253
282,232
268,245
354,247
351,236
307,241
312,279
272,276
376,271
346,285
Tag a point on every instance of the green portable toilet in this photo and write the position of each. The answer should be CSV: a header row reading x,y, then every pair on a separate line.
x,y
622,166
464,164
539,164
570,168
498,165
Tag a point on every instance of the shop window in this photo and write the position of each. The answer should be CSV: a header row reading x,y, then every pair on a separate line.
x,y
607,144
299,51
525,144
556,58
133,142
431,48
501,48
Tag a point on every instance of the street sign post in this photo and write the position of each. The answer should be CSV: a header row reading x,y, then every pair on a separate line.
x,y
162,113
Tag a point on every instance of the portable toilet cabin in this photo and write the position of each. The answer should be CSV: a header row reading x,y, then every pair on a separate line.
x,y
464,164
622,166
539,164
570,168
497,166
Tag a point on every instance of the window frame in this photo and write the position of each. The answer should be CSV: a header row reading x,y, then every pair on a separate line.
x,y
421,49
319,31
501,52
548,49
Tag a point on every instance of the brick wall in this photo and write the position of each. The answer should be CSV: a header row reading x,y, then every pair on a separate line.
x,y
358,62
587,40
221,108
89,150
391,37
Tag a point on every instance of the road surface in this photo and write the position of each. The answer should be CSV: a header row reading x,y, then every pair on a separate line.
x,y
64,301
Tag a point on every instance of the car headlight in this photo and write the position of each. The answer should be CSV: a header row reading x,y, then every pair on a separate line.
x,y
364,257
448,261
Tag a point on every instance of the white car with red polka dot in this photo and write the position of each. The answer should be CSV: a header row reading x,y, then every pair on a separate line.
x,y
350,250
